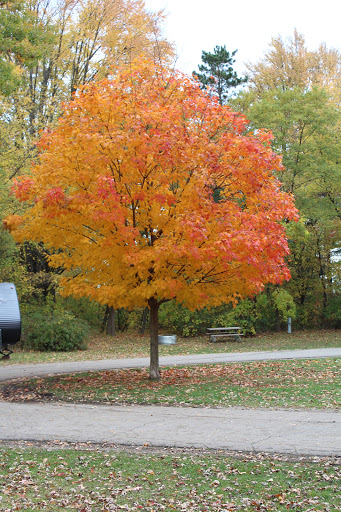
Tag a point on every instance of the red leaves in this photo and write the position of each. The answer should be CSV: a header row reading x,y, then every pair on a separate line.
x,y
125,183
55,196
106,187
23,188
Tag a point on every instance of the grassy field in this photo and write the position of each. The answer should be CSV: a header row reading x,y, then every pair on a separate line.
x,y
301,383
135,345
36,479
88,478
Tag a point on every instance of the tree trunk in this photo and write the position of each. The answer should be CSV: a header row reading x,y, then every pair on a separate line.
x,y
111,322
154,371
105,318
278,321
144,320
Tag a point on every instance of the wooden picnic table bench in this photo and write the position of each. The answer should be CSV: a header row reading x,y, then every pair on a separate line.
x,y
219,332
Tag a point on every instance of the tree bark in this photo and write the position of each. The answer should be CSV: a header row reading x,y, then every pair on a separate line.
x,y
105,319
278,321
144,320
111,322
154,370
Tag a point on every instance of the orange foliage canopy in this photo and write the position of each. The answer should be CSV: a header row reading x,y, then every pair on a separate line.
x,y
152,190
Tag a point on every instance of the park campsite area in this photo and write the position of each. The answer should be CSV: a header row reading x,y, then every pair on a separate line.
x,y
137,201
51,475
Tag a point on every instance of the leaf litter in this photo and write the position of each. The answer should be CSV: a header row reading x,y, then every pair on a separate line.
x,y
52,478
301,383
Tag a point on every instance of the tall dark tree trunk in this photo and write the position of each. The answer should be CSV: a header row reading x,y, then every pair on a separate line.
x,y
144,320
105,318
154,371
111,322
278,321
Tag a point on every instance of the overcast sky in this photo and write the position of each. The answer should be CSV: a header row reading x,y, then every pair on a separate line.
x,y
246,26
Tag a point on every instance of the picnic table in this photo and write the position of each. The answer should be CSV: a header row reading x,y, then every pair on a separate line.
x,y
226,332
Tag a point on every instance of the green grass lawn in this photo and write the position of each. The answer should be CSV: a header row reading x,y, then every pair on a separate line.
x,y
301,383
36,479
93,479
135,345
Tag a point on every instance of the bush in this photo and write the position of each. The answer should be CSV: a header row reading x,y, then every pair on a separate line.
x,y
175,317
85,309
54,332
243,315
332,313
252,315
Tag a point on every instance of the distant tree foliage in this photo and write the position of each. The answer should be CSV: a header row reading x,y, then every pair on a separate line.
x,y
288,64
22,41
87,42
217,72
295,93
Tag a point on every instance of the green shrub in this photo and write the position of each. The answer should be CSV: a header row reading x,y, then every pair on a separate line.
x,y
85,309
54,332
332,313
175,317
253,315
243,315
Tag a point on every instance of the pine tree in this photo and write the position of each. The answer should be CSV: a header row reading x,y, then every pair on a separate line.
x,y
217,72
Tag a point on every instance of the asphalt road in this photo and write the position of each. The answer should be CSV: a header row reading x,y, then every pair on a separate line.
x,y
259,430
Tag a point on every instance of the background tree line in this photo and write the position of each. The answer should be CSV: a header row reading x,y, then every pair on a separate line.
x,y
295,93
292,91
48,49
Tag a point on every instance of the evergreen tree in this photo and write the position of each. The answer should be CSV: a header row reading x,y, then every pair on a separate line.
x,y
217,72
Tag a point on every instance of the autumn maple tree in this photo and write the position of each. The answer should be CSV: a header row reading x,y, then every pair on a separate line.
x,y
149,190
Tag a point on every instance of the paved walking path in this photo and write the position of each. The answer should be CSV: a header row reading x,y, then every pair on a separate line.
x,y
304,432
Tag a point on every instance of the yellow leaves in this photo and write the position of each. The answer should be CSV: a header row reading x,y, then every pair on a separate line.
x,y
126,184
12,222
134,32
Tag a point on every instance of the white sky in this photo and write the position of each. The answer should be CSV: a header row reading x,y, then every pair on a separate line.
x,y
246,26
